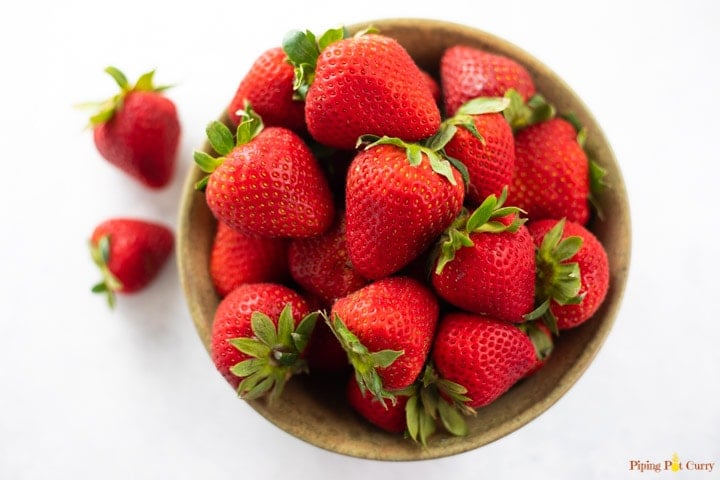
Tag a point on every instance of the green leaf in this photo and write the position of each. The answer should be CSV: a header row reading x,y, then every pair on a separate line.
x,y
414,154
286,326
250,346
206,162
220,137
451,419
119,77
442,167
247,367
438,141
303,332
598,184
483,105
264,329
412,417
538,312
201,184
250,125
331,36
301,47
426,428
567,248
256,389
460,167
145,82
482,213
385,358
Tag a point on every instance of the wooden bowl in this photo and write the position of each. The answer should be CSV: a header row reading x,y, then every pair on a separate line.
x,y
317,412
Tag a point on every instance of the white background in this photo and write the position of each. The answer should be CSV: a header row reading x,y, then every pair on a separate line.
x,y
87,393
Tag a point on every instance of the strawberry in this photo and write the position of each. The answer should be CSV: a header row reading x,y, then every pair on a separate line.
x,y
399,197
484,355
268,87
390,418
259,333
386,329
130,253
552,172
467,72
237,258
486,263
138,130
366,84
321,265
572,271
267,182
483,141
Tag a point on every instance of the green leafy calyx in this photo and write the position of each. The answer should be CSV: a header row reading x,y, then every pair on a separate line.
x,y
486,218
364,362
109,284
435,400
275,353
105,110
221,140
520,114
439,162
303,49
557,278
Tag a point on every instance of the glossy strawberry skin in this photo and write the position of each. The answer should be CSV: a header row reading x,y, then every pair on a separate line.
x,y
138,250
268,86
272,186
551,178
237,258
232,320
494,277
484,355
142,138
321,264
395,313
395,210
369,85
389,417
491,162
594,272
467,72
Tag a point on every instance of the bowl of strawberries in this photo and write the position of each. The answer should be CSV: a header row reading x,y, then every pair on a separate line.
x,y
403,239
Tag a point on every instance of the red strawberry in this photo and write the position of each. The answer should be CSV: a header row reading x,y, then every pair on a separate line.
x,y
129,253
566,245
268,87
397,204
486,265
321,265
267,182
237,258
484,143
551,178
138,130
484,355
259,334
389,417
367,84
467,72
387,328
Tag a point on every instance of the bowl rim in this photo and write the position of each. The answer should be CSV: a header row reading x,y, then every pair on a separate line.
x,y
191,202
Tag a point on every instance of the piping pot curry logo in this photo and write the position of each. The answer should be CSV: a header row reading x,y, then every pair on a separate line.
x,y
673,464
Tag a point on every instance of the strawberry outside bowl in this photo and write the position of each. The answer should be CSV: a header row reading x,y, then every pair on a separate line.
x,y
315,411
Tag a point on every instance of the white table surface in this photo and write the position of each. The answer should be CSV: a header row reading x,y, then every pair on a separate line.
x,y
87,393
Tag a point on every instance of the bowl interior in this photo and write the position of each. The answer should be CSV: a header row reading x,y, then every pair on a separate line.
x,y
314,410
